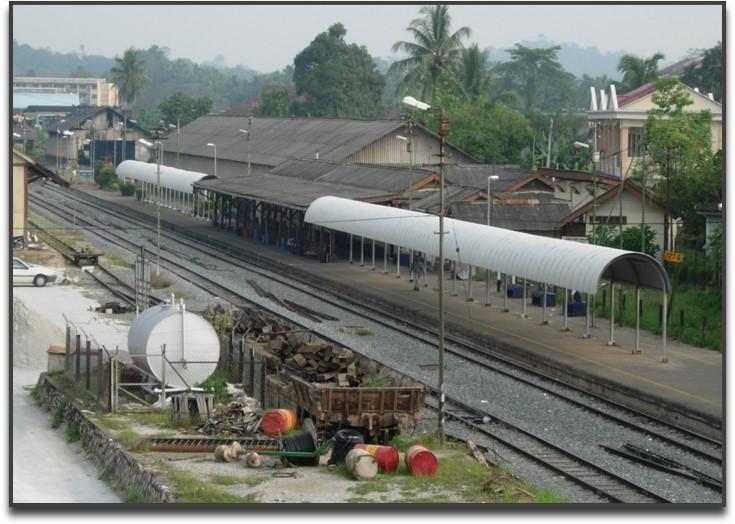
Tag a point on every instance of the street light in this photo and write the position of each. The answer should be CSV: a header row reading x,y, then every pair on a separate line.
x,y
246,132
489,196
443,130
215,157
158,199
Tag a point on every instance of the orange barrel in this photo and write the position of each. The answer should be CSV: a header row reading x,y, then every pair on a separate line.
x,y
420,461
278,421
386,456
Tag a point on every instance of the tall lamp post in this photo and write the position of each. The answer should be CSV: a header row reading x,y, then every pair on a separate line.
x,y
443,130
489,217
210,144
246,132
595,160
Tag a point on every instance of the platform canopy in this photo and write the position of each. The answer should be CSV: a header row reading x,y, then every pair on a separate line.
x,y
565,263
171,177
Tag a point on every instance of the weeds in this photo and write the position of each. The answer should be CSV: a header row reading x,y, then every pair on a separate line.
x,y
135,495
73,431
159,281
217,385
190,489
128,438
58,417
225,480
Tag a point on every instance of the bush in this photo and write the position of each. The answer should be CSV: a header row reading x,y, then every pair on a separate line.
x,y
139,193
128,189
104,175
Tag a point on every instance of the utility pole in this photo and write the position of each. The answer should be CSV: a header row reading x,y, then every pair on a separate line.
x,y
178,141
595,160
250,123
443,131
551,132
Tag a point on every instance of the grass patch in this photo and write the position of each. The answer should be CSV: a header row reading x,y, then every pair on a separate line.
x,y
117,260
128,437
112,423
159,281
429,440
180,294
190,489
153,418
544,496
34,393
58,417
135,495
376,381
225,480
73,431
255,481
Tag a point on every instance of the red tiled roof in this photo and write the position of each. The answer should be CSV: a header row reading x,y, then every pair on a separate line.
x,y
639,92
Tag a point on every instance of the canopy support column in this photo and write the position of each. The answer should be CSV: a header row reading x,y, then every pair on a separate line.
x,y
454,279
362,251
664,321
469,296
524,313
505,293
487,287
611,342
637,347
385,258
543,313
373,268
587,319
398,261
566,310
411,276
426,284
350,248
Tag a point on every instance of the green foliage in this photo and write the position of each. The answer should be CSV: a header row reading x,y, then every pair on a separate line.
x,y
707,74
127,189
490,132
338,79
604,236
159,282
111,422
434,52
638,71
128,438
191,489
715,256
73,432
538,77
104,175
609,236
274,102
39,146
216,384
135,495
58,417
183,109
129,75
568,128
679,146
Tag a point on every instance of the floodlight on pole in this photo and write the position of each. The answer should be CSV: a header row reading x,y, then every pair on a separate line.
x,y
489,195
443,130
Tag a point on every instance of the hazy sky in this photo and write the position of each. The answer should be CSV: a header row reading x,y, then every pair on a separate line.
x,y
267,37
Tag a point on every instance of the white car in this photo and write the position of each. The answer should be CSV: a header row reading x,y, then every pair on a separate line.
x,y
27,273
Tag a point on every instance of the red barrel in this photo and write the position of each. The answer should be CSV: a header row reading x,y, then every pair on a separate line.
x,y
420,461
278,421
386,456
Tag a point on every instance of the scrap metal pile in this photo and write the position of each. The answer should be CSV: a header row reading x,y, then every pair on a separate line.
x,y
238,417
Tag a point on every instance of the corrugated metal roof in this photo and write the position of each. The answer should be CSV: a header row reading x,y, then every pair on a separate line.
x,y
276,140
288,191
430,203
475,175
572,265
368,176
538,216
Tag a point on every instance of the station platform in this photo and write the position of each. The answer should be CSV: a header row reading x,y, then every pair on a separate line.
x,y
687,389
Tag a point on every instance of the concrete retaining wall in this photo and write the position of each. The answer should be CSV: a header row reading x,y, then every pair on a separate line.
x,y
107,454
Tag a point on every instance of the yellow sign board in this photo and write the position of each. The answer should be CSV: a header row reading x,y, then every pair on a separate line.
x,y
673,256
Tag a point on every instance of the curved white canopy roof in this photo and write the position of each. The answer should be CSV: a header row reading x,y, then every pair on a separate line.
x,y
565,263
171,177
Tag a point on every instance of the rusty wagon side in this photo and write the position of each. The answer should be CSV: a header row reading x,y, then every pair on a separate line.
x,y
376,411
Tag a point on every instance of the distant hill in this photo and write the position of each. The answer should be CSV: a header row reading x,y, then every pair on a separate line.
x,y
30,61
575,59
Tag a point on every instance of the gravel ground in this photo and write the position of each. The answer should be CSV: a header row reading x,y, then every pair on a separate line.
x,y
574,429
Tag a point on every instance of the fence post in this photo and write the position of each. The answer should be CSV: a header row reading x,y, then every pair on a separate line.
x,y
99,375
78,358
88,365
67,348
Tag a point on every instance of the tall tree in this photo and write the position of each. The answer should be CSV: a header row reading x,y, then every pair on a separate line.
x,y
706,74
338,79
129,75
435,48
638,71
539,78
274,101
183,109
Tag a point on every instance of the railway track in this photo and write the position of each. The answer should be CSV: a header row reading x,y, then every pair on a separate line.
x,y
554,458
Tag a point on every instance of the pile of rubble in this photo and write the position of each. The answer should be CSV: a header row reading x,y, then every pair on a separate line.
x,y
239,417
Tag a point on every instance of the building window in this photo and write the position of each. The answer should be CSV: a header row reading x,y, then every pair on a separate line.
x,y
609,220
635,142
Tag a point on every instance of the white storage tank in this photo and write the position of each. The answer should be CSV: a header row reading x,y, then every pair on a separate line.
x,y
192,345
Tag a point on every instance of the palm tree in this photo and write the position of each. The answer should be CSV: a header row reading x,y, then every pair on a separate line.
x,y
129,76
433,51
638,71
475,80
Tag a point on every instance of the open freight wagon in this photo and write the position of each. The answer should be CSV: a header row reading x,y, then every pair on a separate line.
x,y
378,412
